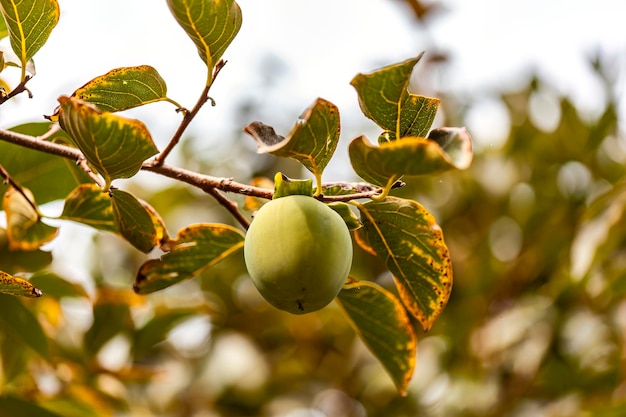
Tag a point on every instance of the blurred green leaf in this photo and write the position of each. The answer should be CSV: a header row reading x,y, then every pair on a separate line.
x,y
89,205
211,24
55,286
13,261
381,322
124,88
25,230
14,360
134,221
384,97
17,286
312,141
406,237
384,164
16,407
157,329
29,23
49,177
114,146
196,248
111,316
20,323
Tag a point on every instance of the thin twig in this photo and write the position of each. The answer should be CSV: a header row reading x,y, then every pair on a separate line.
x,y
20,88
188,117
201,181
82,162
7,179
230,205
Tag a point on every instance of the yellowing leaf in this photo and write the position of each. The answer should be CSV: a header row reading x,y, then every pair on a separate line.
x,y
114,146
211,24
384,97
25,230
29,23
196,248
89,205
445,148
13,261
49,177
124,88
17,286
381,322
407,238
312,141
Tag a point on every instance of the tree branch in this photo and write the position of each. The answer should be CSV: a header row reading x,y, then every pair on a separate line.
x,y
20,88
188,117
201,181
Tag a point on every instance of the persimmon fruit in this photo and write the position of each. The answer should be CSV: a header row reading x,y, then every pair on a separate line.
x,y
298,252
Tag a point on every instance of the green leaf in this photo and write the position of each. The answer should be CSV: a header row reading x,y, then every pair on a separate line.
x,y
89,205
406,237
195,249
29,23
134,221
211,24
343,209
381,322
49,177
124,88
156,330
18,322
111,316
16,286
54,286
386,163
114,146
14,407
13,261
4,32
384,97
312,141
25,230
285,186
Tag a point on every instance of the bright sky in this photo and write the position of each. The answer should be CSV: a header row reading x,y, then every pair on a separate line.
x,y
324,44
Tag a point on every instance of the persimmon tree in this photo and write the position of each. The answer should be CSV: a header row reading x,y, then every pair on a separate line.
x,y
86,150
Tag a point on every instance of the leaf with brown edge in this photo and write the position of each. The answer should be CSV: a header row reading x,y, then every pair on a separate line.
x,y
124,88
408,240
384,97
312,141
89,205
195,249
114,146
25,230
17,286
444,149
382,323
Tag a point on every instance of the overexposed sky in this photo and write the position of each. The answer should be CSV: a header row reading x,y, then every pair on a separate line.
x,y
316,49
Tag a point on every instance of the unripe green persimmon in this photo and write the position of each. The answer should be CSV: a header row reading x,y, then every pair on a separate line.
x,y
298,252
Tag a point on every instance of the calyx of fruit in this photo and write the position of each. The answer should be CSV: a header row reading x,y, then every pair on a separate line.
x,y
298,252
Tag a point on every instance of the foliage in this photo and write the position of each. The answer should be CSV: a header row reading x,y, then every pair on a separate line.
x,y
534,325
109,148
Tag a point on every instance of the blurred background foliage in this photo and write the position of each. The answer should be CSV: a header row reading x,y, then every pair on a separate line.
x,y
536,324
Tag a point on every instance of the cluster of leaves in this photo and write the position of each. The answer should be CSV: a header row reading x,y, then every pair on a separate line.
x,y
108,147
